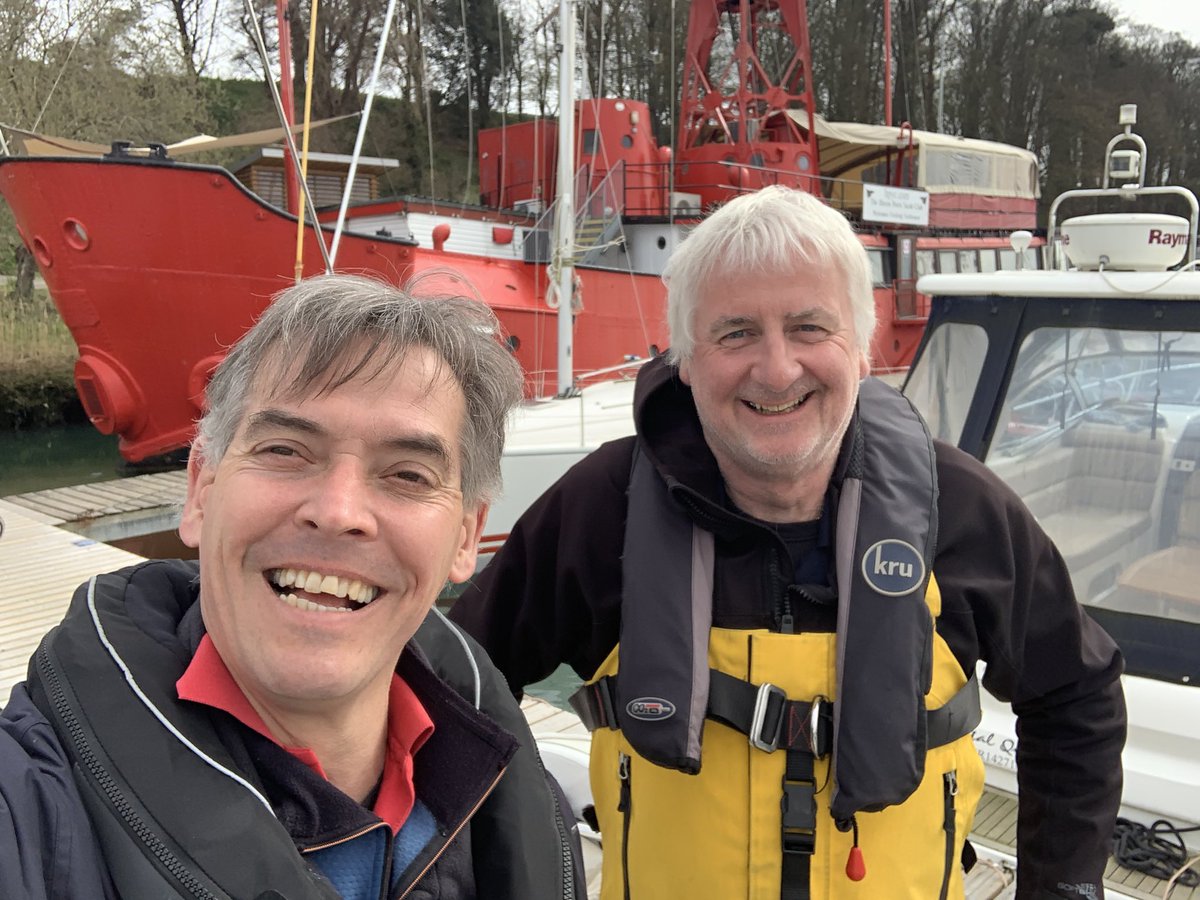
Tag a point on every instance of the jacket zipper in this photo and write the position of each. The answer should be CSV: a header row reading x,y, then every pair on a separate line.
x,y
450,836
624,806
949,790
78,734
564,840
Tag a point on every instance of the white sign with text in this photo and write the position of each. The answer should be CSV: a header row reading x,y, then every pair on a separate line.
x,y
900,206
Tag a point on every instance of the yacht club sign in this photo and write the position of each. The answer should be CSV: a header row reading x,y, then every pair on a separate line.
x,y
899,206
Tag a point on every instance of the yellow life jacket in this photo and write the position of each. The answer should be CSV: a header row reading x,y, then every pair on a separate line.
x,y
716,834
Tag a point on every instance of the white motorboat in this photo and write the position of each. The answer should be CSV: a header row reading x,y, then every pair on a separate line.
x,y
1080,386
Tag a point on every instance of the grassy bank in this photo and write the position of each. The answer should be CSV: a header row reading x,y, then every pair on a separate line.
x,y
37,357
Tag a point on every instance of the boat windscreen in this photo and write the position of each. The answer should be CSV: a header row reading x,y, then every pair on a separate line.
x,y
1099,433
942,383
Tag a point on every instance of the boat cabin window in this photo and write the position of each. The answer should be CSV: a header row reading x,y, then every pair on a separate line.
x,y
943,390
925,263
987,261
1100,436
589,142
947,261
880,260
968,261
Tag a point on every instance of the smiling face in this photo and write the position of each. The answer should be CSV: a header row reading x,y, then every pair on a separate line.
x,y
327,530
774,373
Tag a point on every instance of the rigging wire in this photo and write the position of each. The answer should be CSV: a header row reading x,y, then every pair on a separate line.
x,y
425,91
261,46
503,112
462,8
916,39
96,10
307,131
362,128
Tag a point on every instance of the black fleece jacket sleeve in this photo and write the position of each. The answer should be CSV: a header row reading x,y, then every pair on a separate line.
x,y
553,592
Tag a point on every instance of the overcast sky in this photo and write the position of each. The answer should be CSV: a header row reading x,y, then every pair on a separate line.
x,y
1182,16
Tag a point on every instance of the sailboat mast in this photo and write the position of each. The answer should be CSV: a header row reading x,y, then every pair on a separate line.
x,y
287,95
564,221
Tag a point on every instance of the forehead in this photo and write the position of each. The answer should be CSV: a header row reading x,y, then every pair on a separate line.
x,y
383,382
808,290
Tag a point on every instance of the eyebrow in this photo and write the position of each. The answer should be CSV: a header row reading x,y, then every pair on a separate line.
x,y
425,444
723,323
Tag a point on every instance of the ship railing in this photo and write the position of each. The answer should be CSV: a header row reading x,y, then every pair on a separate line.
x,y
650,187
537,243
598,219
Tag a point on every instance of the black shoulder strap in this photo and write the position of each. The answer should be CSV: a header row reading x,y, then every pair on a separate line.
x,y
666,615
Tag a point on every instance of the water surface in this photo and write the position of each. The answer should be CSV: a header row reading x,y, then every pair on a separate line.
x,y
58,456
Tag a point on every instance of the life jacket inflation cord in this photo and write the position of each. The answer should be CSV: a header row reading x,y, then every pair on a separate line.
x,y
856,866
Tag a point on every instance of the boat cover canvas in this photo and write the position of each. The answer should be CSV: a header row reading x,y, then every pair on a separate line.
x,y
945,163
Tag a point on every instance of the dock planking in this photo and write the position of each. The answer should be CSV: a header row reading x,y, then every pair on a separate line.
x,y
42,566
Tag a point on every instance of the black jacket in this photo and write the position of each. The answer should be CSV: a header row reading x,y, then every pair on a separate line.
x,y
553,594
177,799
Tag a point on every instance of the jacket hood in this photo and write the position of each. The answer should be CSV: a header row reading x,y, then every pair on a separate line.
x,y
664,415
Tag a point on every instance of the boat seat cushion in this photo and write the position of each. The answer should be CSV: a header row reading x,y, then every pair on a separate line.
x,y
1101,501
1168,580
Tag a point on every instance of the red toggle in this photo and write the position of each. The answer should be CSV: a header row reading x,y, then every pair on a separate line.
x,y
856,869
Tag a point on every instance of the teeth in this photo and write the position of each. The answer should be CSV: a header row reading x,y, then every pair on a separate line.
x,y
301,603
783,407
316,583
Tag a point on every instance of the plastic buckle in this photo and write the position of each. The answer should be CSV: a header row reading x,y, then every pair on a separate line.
x,y
800,842
798,806
762,702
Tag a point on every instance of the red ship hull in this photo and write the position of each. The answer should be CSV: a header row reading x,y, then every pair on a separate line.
x,y
156,267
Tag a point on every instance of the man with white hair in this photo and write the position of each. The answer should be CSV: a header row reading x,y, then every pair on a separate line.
x,y
778,592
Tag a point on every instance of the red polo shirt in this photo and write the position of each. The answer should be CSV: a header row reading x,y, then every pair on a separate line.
x,y
207,680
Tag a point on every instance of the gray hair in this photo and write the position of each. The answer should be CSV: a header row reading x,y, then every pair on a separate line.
x,y
344,326
770,231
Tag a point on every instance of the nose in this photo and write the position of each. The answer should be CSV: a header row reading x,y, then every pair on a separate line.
x,y
778,365
339,501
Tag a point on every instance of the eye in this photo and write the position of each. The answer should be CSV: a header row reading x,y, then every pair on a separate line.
x,y
808,331
735,337
414,480
411,476
280,453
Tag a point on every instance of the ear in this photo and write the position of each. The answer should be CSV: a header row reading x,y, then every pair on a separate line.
x,y
685,371
200,478
465,556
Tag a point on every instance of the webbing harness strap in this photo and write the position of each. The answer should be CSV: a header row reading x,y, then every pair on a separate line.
x,y
798,824
768,718
763,713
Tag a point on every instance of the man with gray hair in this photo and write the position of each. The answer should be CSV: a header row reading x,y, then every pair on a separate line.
x,y
778,593
290,719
